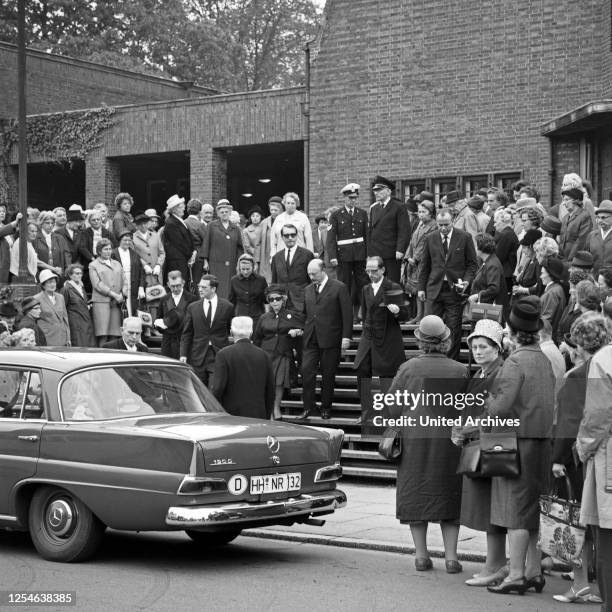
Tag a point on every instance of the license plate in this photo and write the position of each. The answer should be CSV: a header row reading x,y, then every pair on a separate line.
x,y
275,483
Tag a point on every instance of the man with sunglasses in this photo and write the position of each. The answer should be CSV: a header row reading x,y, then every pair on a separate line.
x,y
290,267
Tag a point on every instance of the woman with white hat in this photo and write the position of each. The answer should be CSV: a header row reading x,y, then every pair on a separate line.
x,y
53,316
176,239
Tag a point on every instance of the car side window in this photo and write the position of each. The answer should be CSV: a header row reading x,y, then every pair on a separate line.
x,y
20,394
33,406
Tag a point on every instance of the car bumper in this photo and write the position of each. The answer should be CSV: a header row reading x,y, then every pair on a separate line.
x,y
229,514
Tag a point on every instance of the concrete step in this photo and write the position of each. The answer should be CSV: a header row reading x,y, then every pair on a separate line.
x,y
298,405
370,472
362,455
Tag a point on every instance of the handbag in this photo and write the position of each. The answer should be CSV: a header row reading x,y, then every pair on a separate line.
x,y
499,455
154,292
390,445
469,460
480,310
561,534
144,315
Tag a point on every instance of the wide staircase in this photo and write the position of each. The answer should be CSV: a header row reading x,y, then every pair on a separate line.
x,y
359,454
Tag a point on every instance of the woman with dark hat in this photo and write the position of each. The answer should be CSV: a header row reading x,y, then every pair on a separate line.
x,y
523,391
528,276
576,225
247,290
485,342
275,333
252,235
554,276
428,488
77,306
30,314
53,316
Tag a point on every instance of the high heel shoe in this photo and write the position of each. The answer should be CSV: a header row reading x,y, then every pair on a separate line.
x,y
490,580
512,586
573,596
536,582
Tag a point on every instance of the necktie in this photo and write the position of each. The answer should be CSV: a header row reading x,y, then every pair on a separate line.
x,y
445,246
288,258
209,312
351,211
317,288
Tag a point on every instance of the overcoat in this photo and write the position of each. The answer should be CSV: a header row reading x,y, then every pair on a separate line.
x,y
54,319
79,317
222,246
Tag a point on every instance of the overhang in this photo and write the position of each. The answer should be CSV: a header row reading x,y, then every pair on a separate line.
x,y
586,118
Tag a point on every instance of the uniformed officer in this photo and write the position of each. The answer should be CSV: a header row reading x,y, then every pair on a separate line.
x,y
346,244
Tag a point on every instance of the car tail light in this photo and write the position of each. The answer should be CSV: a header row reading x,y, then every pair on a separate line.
x,y
329,472
198,485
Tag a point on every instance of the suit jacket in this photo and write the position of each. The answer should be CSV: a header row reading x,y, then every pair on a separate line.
x,y
490,283
600,249
382,335
342,227
5,252
389,229
79,316
177,240
553,303
60,251
198,337
119,344
171,336
271,333
575,228
87,240
243,380
329,314
507,243
76,246
460,262
137,275
295,278
198,233
54,319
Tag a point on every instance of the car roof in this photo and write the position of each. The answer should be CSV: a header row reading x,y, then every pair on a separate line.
x,y
67,359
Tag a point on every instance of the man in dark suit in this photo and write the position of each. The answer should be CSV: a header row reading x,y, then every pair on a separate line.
x,y
327,332
447,269
128,258
243,381
206,328
347,244
290,268
72,233
599,241
389,231
93,234
171,312
130,340
176,238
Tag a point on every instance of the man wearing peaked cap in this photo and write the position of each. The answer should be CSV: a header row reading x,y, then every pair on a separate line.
x,y
599,241
347,244
389,228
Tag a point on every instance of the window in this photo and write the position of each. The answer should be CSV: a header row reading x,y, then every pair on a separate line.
x,y
442,187
472,184
20,395
410,188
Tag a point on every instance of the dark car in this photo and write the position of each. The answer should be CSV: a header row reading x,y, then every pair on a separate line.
x,y
91,439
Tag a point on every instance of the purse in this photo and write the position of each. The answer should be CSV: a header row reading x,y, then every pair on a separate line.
x,y
480,310
145,316
154,292
561,534
469,460
499,455
390,445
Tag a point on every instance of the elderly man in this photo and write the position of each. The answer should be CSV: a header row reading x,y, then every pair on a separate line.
x,y
389,230
599,241
130,340
72,232
243,380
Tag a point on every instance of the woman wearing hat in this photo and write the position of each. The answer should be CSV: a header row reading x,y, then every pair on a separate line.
x,y
275,333
106,276
252,235
554,276
576,225
428,488
222,247
30,315
485,342
589,333
176,239
528,276
53,315
123,220
523,390
275,206
247,290
77,306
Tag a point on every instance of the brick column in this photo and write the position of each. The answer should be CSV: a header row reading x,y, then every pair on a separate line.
x,y
102,180
208,175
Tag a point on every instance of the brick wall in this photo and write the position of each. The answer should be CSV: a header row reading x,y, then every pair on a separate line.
x,y
56,83
565,159
606,49
426,88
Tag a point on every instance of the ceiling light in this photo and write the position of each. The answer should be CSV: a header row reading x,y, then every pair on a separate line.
x,y
246,195
265,180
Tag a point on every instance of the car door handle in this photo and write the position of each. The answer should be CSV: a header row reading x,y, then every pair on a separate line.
x,y
28,438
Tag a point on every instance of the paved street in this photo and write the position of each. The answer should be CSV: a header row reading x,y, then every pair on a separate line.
x,y
161,571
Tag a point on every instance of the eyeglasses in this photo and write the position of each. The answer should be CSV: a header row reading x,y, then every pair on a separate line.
x,y
292,235
275,299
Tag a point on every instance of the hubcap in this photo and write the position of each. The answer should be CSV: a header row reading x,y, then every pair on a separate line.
x,y
61,518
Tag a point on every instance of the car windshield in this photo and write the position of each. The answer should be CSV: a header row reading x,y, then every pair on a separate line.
x,y
132,391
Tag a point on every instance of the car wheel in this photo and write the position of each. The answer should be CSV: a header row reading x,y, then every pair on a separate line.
x,y
62,528
213,538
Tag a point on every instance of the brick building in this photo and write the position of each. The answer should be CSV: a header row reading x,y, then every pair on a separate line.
x,y
429,93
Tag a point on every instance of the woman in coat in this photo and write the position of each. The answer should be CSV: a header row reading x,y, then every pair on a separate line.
x,y
79,315
252,236
485,342
594,447
106,277
274,333
275,206
414,253
222,247
53,316
523,390
428,487
247,290
528,275
554,276
123,220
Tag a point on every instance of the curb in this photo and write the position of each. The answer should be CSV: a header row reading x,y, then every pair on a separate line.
x,y
375,545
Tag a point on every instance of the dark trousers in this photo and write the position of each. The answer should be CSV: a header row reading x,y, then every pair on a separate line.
x,y
604,565
365,386
196,271
315,358
171,345
205,370
449,307
393,269
352,274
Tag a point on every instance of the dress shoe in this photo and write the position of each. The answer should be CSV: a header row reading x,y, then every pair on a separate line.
x,y
453,567
489,580
325,414
304,415
536,582
509,586
422,564
575,596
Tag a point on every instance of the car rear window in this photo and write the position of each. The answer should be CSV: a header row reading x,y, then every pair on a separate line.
x,y
133,391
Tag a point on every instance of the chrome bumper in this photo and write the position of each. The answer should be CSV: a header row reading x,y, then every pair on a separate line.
x,y
202,516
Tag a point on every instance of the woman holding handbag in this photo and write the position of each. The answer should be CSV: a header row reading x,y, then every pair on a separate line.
x,y
485,342
523,391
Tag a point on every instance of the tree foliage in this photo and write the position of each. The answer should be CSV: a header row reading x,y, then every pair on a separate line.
x,y
232,45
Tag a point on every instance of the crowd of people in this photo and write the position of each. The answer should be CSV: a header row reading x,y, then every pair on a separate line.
x,y
296,288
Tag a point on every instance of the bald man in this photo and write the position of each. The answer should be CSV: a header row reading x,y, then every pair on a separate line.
x,y
130,340
243,380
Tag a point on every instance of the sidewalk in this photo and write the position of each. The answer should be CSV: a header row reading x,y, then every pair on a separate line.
x,y
368,521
